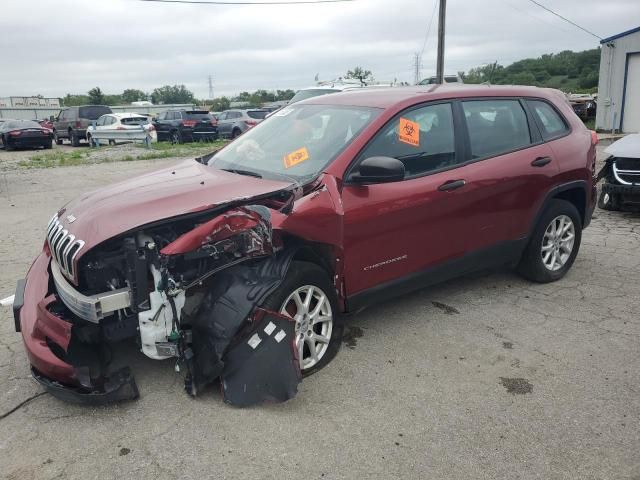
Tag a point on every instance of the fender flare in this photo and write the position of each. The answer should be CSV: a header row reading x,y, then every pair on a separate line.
x,y
551,194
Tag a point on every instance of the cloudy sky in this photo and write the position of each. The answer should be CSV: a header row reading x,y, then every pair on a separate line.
x,y
69,46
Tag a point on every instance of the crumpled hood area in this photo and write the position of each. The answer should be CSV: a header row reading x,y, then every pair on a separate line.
x,y
184,188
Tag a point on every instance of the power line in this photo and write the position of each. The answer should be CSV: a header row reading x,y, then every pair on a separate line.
x,y
566,19
207,2
433,13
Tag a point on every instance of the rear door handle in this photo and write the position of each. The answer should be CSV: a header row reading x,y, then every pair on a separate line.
x,y
541,161
451,185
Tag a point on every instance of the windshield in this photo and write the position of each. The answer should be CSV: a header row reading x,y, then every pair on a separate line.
x,y
313,92
198,115
295,143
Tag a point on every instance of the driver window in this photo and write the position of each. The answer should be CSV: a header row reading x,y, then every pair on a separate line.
x,y
422,139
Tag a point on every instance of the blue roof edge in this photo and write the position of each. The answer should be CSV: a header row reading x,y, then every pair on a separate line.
x,y
623,34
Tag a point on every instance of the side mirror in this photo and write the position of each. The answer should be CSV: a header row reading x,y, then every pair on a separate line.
x,y
379,170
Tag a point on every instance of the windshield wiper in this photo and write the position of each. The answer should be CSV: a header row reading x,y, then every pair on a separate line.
x,y
248,173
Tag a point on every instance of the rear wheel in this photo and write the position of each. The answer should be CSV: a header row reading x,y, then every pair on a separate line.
x,y
49,145
176,137
609,201
307,296
56,138
235,133
554,244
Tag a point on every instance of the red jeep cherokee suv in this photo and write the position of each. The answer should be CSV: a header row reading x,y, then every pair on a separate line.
x,y
327,206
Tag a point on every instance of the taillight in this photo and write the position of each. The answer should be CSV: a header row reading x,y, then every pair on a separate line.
x,y
251,123
15,133
594,138
189,123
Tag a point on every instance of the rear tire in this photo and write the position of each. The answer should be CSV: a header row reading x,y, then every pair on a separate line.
x,y
49,145
73,138
176,137
609,201
312,331
554,244
235,133
56,139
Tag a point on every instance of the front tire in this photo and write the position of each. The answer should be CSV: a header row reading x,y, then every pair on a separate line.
x,y
554,244
307,296
56,138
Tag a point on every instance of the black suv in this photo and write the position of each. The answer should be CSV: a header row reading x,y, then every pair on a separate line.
x,y
178,126
72,122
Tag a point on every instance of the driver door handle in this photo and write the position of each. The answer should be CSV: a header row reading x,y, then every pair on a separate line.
x,y
451,185
541,161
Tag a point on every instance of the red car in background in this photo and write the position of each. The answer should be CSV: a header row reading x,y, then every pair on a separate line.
x,y
45,123
328,206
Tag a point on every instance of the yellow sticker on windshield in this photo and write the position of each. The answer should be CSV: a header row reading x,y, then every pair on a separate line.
x,y
409,132
294,158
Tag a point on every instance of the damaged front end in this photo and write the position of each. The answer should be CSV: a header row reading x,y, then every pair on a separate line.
x,y
188,289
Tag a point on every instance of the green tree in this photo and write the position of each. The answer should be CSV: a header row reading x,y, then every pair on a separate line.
x,y
361,74
96,97
131,95
74,100
220,104
172,94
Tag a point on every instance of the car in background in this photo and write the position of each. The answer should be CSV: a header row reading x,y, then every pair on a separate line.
x,y
448,79
44,122
122,127
179,126
232,123
621,174
584,105
24,134
72,122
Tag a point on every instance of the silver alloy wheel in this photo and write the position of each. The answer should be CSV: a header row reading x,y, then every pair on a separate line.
x,y
557,243
310,307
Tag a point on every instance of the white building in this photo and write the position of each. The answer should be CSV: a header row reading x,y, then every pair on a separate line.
x,y
619,85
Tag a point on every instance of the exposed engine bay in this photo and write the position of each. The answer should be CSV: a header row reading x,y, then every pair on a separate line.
x,y
188,289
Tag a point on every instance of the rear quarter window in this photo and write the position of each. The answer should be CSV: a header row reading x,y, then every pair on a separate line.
x,y
258,114
549,120
93,112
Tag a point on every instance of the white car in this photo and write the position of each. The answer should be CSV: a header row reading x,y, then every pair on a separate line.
x,y
122,127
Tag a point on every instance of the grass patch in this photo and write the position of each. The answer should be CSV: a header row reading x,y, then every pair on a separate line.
x,y
55,159
84,157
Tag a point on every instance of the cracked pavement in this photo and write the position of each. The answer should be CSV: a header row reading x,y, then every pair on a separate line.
x,y
488,376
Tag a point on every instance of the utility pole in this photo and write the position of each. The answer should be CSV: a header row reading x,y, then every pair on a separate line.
x,y
210,88
417,64
441,22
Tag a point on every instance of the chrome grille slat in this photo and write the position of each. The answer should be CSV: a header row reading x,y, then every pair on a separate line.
x,y
64,247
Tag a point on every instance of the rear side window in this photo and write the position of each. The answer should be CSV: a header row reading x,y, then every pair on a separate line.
x,y
93,112
258,114
422,139
496,126
551,123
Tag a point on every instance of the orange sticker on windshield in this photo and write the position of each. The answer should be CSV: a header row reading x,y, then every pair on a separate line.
x,y
409,132
294,158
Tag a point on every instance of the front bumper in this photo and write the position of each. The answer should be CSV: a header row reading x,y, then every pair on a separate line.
x,y
628,194
42,332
